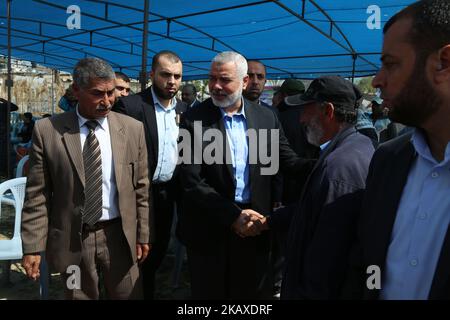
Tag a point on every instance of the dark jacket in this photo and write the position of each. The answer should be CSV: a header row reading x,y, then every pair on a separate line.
x,y
141,107
324,225
209,189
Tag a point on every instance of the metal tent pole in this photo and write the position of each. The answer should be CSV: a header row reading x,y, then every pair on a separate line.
x,y
143,77
9,85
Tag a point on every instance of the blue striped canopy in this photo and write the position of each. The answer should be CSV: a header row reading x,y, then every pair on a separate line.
x,y
293,38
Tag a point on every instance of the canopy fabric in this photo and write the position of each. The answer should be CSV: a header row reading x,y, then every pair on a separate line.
x,y
293,38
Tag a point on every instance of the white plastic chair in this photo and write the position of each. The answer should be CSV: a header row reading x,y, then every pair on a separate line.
x,y
12,249
20,165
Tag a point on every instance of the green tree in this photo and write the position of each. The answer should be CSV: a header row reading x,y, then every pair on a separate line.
x,y
365,85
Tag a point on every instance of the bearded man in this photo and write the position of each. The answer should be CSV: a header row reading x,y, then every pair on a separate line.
x,y
160,111
323,224
404,229
225,198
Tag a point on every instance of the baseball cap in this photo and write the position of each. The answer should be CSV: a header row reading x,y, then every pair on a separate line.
x,y
291,87
334,89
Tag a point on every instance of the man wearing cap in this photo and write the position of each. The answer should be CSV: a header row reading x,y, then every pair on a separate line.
x,y
289,87
322,224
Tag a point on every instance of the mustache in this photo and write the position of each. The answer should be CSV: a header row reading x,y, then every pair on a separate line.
x,y
103,108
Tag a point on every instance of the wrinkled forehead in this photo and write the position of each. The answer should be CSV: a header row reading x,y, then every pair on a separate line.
x,y
224,69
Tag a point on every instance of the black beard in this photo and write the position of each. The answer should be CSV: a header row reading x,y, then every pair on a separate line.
x,y
417,101
161,94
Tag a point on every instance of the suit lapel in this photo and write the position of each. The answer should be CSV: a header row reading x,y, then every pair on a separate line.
x,y
253,123
71,140
118,145
395,177
227,155
148,108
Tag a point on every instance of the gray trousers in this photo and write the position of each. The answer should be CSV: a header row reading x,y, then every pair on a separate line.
x,y
106,251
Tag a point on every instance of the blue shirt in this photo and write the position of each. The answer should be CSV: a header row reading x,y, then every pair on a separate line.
x,y
167,140
420,226
363,121
236,129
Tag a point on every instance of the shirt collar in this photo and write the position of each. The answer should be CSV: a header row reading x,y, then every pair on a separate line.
x,y
421,146
172,104
324,145
241,112
82,120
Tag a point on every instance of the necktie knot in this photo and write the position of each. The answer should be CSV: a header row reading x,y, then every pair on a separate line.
x,y
91,124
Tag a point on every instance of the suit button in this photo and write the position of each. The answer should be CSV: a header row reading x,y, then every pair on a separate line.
x,y
414,262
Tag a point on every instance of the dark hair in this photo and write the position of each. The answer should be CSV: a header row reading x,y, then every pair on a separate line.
x,y
28,115
257,61
172,56
190,85
430,25
121,75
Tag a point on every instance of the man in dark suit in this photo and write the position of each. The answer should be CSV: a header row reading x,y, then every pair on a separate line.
x,y
159,110
86,201
404,237
189,95
220,193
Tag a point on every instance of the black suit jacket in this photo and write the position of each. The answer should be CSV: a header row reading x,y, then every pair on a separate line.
x,y
141,107
387,177
195,104
209,189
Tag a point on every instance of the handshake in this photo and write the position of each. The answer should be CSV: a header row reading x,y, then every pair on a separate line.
x,y
249,224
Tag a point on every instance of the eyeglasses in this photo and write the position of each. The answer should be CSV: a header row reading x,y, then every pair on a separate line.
x,y
119,88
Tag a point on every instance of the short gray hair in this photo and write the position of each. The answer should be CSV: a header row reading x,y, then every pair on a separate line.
x,y
231,56
91,68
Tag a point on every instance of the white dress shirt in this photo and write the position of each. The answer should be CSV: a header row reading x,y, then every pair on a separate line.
x,y
110,208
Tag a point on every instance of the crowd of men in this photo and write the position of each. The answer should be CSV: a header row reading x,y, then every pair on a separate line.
x,y
295,198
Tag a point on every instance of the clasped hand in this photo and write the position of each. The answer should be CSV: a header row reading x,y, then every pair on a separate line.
x,y
249,223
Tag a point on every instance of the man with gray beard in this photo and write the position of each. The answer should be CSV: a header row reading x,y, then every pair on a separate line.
x,y
322,226
224,197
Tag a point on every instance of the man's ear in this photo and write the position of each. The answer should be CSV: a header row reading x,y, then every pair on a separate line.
x,y
76,90
329,110
442,73
245,82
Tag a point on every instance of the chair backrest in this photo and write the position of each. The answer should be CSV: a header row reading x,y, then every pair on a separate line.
x,y
20,166
12,249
